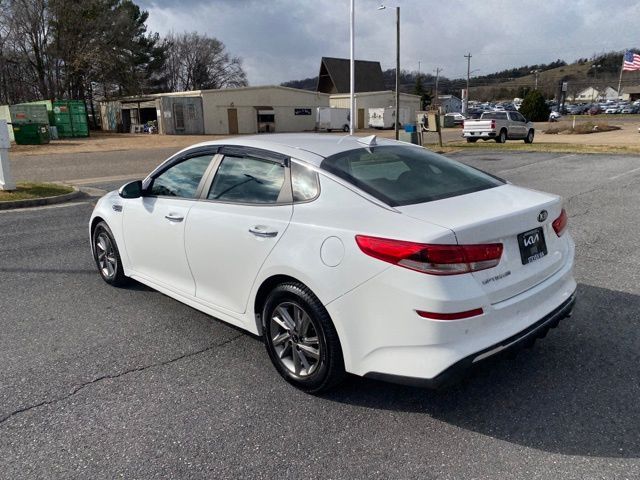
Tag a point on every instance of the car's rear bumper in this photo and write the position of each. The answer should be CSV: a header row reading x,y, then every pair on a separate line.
x,y
522,339
382,334
491,134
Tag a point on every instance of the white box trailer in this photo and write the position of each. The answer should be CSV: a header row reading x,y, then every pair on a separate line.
x,y
328,118
385,117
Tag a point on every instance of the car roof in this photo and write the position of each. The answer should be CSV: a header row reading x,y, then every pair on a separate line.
x,y
308,147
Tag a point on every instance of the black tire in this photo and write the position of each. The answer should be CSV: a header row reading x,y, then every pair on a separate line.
x,y
107,256
280,341
529,137
502,137
345,128
471,140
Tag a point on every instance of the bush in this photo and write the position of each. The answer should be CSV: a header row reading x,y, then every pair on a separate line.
x,y
534,108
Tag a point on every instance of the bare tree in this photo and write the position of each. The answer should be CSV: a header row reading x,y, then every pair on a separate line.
x,y
28,42
195,62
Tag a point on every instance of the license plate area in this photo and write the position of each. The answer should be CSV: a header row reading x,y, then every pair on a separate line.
x,y
532,245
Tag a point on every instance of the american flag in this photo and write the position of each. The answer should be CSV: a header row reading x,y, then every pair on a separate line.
x,y
631,62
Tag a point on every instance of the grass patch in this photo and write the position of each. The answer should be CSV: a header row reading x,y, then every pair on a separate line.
x,y
536,147
28,191
581,128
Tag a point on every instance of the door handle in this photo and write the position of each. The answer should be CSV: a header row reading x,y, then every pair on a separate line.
x,y
173,218
263,231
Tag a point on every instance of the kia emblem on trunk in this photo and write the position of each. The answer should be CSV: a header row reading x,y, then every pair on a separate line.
x,y
542,216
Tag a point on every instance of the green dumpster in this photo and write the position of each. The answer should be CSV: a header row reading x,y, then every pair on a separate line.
x,y
71,118
31,133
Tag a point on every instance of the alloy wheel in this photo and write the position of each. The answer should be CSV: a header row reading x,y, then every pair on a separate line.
x,y
106,255
295,340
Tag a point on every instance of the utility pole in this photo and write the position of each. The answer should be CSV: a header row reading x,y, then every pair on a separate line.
x,y
352,74
397,122
466,98
437,70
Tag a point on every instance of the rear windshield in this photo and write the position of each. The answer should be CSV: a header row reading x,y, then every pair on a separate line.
x,y
494,116
403,175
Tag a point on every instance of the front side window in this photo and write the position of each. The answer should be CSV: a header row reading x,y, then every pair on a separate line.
x,y
517,117
401,175
182,179
247,180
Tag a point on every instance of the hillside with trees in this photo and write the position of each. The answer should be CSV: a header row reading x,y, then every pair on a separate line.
x,y
598,71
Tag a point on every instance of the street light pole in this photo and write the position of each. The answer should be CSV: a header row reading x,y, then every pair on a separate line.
x,y
466,98
536,73
352,80
397,122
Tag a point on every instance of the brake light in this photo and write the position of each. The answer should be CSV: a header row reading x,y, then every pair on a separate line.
x,y
433,259
493,124
560,223
450,316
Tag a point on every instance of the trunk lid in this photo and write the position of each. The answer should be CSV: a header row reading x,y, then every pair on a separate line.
x,y
499,215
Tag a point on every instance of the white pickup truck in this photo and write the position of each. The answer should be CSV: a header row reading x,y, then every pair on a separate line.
x,y
499,126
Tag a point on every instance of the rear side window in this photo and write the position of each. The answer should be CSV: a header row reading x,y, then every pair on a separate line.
x,y
402,175
247,180
304,182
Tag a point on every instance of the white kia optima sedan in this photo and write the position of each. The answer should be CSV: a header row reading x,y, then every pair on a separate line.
x,y
347,254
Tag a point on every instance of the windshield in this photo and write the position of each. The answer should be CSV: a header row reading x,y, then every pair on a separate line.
x,y
403,175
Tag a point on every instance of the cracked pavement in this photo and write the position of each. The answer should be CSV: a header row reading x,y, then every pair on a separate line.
x,y
99,382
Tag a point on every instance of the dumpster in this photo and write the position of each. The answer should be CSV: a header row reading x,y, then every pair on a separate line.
x,y
31,133
70,117
29,113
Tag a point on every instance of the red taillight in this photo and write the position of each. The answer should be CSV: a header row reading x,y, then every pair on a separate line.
x,y
560,223
450,316
432,258
493,124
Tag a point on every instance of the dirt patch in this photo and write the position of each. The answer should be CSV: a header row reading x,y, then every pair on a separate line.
x,y
105,142
581,128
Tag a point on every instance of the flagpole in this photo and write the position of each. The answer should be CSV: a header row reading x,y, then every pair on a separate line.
x,y
620,81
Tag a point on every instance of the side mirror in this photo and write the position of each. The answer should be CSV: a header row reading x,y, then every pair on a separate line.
x,y
131,190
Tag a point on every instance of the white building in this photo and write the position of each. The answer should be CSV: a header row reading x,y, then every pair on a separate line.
x,y
367,100
228,111
591,94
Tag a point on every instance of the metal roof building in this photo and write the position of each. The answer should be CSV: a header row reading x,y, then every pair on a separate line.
x,y
335,75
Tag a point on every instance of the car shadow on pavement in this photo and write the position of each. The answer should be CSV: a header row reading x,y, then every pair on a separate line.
x,y
576,392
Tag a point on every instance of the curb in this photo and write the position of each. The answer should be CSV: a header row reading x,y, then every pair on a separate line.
x,y
38,202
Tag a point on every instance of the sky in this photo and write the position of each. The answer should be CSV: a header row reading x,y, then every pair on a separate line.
x,y
281,40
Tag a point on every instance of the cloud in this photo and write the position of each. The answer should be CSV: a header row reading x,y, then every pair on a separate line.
x,y
282,40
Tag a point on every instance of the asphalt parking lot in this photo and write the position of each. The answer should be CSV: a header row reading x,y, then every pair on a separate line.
x,y
98,382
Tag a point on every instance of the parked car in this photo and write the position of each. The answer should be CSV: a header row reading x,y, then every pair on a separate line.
x,y
594,110
458,118
499,126
346,254
554,116
612,110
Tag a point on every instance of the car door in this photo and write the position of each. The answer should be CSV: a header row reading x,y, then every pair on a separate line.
x,y
245,210
519,125
153,225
